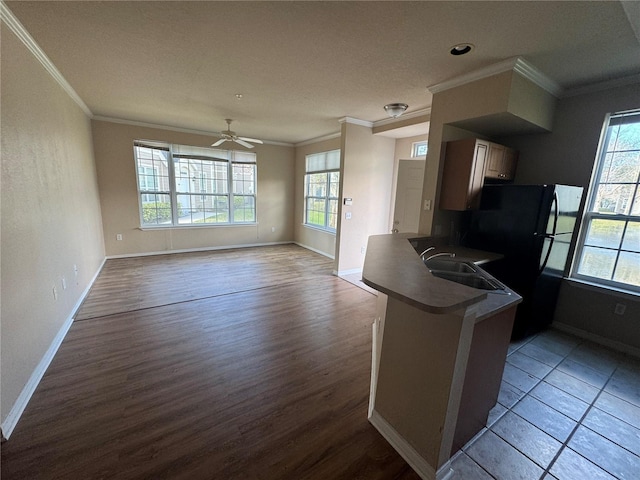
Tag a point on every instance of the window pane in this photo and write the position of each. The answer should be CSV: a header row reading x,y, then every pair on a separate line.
x,y
632,238
243,178
333,214
628,135
317,185
156,209
605,233
614,198
334,184
628,268
244,209
316,211
621,167
597,262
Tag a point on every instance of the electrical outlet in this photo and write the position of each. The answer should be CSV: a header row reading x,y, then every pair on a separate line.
x,y
273,229
55,293
118,236
362,250
427,205
347,215
75,269
620,308
64,283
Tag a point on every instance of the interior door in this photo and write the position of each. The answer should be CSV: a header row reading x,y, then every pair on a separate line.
x,y
406,213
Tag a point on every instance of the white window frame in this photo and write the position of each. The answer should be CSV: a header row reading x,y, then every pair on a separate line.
x,y
592,212
325,163
175,153
417,146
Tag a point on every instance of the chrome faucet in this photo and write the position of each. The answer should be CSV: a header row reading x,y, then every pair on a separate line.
x,y
441,254
427,250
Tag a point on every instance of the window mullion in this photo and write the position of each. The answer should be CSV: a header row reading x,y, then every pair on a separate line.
x,y
230,187
173,187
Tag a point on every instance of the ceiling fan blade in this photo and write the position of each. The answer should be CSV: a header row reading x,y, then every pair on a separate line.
x,y
219,142
253,140
243,143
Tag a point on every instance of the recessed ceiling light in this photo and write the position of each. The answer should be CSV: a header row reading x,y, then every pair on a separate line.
x,y
461,49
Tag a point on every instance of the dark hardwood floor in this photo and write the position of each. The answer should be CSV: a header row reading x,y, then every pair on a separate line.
x,y
239,364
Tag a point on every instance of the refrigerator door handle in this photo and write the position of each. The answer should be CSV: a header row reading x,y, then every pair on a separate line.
x,y
556,211
551,236
543,265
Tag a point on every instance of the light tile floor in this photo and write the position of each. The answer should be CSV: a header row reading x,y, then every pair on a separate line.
x,y
568,409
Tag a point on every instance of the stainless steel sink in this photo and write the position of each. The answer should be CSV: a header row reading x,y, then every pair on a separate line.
x,y
442,265
474,280
465,273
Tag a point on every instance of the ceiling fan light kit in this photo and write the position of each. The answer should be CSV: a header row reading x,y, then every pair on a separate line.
x,y
230,136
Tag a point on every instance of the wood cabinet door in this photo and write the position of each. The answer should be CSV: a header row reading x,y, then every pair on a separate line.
x,y
495,162
477,175
509,164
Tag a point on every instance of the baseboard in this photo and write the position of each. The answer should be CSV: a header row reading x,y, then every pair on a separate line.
x,y
352,271
21,402
332,257
406,451
202,249
607,342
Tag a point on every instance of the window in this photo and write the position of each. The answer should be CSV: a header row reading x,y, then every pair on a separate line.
x,y
184,185
321,187
419,149
609,247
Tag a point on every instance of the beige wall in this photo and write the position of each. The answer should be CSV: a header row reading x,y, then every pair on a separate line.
x,y
449,106
50,214
366,178
312,238
566,156
113,143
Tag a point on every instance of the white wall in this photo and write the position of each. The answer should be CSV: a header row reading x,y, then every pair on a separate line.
x,y
50,218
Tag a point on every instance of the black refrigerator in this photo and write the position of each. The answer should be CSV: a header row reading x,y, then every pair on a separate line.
x,y
532,226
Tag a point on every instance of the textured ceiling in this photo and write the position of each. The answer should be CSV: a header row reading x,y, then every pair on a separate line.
x,y
301,66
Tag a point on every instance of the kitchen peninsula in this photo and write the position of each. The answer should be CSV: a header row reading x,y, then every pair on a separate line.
x,y
439,350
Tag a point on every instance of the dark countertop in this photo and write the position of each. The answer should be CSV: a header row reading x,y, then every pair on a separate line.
x,y
393,267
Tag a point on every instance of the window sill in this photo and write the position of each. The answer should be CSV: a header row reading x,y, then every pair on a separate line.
x,y
205,225
599,287
319,229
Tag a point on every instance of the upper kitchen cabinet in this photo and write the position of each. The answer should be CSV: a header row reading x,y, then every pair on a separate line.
x,y
463,174
467,164
502,161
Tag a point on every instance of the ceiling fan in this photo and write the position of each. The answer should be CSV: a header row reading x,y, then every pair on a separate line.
x,y
229,136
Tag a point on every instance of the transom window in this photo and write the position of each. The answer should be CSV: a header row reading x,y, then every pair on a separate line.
x,y
419,149
185,185
609,248
321,189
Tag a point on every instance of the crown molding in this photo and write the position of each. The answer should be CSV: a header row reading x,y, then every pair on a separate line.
x,y
323,138
405,116
516,64
136,123
606,85
18,29
356,121
531,73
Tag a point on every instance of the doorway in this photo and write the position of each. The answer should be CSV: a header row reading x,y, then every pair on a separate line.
x,y
406,213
